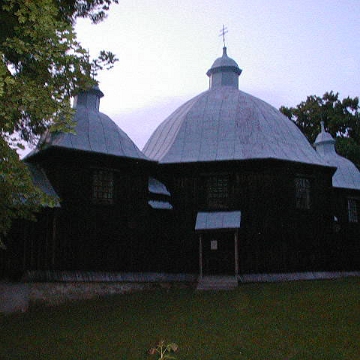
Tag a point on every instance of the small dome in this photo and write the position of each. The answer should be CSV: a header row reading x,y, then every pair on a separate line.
x,y
347,175
90,98
224,72
224,61
324,138
94,131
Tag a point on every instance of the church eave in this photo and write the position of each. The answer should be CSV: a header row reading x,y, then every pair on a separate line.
x,y
248,162
54,150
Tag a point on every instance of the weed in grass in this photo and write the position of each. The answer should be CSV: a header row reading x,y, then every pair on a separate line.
x,y
163,351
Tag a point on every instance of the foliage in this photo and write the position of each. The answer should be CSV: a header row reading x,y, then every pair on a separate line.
x,y
69,10
42,65
341,119
163,350
15,182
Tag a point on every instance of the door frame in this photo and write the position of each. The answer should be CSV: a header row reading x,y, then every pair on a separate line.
x,y
236,252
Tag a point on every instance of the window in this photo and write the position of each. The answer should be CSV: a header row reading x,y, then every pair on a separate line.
x,y
353,210
103,187
302,193
217,188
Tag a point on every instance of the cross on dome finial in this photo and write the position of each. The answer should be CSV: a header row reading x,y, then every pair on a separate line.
x,y
223,31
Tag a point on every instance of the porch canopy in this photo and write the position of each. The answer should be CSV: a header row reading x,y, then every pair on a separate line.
x,y
219,220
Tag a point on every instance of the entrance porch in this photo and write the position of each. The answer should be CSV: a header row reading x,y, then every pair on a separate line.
x,y
218,249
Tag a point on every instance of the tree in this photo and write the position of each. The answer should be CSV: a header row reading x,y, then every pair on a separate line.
x,y
341,119
42,65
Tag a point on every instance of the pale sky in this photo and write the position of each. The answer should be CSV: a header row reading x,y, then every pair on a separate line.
x,y
287,49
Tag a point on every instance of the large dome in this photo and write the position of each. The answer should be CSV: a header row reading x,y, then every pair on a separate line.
x,y
225,123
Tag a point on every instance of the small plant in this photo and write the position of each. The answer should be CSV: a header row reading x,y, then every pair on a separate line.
x,y
163,350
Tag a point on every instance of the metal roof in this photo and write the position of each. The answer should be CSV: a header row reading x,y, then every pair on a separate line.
x,y
41,181
218,220
225,123
94,131
157,187
160,205
224,62
347,175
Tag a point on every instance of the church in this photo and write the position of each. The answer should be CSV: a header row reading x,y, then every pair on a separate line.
x,y
226,185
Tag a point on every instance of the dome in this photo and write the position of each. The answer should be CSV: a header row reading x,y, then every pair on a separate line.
x,y
94,131
347,175
324,138
225,123
224,72
224,61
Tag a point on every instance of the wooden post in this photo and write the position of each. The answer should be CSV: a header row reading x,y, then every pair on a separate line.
x,y
236,236
25,239
200,256
53,253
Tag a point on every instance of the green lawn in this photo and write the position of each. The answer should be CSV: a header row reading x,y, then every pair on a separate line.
x,y
298,320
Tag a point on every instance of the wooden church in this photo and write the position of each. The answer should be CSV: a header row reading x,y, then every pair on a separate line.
x,y
225,185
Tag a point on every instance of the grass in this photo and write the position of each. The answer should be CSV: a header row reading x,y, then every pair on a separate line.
x,y
317,320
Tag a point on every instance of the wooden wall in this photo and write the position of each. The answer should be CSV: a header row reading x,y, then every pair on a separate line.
x,y
275,236
129,235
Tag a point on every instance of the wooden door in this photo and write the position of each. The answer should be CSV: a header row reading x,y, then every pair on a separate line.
x,y
218,254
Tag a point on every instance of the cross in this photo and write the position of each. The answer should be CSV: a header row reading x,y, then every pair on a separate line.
x,y
223,31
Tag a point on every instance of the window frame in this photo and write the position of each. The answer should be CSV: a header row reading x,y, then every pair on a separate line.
x,y
352,207
217,187
103,187
302,192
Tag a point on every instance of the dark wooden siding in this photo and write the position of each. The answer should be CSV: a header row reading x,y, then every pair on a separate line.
x,y
345,240
275,236
128,235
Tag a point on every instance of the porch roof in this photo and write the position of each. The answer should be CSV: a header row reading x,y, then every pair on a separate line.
x,y
218,220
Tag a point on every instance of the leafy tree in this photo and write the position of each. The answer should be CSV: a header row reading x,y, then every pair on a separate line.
x,y
42,65
341,119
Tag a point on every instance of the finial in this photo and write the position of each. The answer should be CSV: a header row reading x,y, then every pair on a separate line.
x,y
322,126
223,31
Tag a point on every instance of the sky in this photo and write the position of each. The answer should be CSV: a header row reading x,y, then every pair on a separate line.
x,y
287,49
